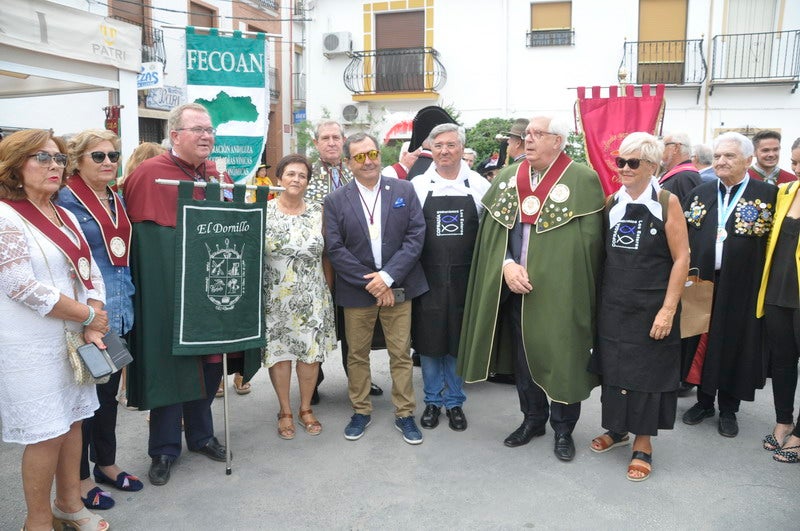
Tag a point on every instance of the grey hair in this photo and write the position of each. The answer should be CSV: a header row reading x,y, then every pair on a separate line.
x,y
325,123
447,128
649,147
358,137
704,154
175,119
470,151
684,141
796,143
558,126
745,144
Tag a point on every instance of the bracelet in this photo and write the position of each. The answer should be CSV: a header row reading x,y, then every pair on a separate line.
x,y
89,319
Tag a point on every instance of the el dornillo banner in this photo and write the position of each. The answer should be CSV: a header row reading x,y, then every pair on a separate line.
x,y
218,273
228,75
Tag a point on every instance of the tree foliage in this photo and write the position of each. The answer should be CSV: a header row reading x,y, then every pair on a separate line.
x,y
481,137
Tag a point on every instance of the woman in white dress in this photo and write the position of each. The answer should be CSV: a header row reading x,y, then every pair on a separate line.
x,y
300,325
48,284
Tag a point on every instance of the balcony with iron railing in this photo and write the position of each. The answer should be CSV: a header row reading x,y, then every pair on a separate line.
x,y
405,72
299,87
768,58
550,37
274,85
153,50
673,63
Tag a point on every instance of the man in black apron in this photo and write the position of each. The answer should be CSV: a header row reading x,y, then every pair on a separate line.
x,y
450,194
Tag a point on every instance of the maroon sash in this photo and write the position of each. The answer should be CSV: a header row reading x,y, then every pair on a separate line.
x,y
116,235
677,169
79,255
400,170
530,200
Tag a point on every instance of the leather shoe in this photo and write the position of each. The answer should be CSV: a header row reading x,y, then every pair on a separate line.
x,y
213,450
564,447
696,414
430,417
458,421
728,427
524,434
374,390
159,470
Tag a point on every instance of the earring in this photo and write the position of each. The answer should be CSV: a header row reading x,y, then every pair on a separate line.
x,y
19,185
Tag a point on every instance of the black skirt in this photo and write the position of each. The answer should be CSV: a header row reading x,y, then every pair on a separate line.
x,y
638,412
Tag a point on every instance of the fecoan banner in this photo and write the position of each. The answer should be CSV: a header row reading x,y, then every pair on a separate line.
x,y
228,75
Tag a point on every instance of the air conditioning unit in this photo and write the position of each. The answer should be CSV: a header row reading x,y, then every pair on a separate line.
x,y
355,113
338,43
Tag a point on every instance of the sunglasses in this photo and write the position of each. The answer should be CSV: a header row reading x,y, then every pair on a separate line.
x,y
99,156
44,158
632,163
361,157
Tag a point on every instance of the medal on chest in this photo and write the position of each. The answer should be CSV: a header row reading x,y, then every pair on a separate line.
x,y
530,205
721,234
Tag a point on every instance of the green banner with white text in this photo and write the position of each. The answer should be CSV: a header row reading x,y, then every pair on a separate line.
x,y
228,75
218,274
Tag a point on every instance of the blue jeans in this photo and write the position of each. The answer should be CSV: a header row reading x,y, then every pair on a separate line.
x,y
441,383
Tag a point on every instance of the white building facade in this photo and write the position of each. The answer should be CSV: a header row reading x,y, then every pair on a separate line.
x,y
727,64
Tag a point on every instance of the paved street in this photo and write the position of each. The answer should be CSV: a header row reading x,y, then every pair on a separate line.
x,y
465,480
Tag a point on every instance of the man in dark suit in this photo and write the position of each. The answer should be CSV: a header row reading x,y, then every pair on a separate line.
x,y
374,231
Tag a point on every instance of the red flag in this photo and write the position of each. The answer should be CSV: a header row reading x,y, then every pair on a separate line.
x,y
607,121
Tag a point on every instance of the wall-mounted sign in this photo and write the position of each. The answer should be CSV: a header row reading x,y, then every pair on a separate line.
x,y
150,76
165,98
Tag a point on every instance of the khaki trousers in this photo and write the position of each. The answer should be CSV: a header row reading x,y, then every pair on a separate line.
x,y
359,324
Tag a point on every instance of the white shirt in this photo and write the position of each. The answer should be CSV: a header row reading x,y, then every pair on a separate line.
x,y
368,199
432,181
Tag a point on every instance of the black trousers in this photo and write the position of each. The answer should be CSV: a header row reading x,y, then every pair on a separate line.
x,y
727,402
198,424
532,399
782,328
99,432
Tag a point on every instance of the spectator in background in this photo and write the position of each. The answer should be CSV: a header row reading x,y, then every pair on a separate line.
x,y
469,157
426,119
680,176
144,151
768,152
400,169
702,157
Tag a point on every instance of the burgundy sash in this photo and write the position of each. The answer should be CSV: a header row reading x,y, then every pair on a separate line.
x,y
401,171
116,235
79,255
546,183
677,169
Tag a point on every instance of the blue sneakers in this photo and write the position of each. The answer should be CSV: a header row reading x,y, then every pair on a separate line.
x,y
408,427
355,429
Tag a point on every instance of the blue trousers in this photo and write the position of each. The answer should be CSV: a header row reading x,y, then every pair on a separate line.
x,y
165,422
441,383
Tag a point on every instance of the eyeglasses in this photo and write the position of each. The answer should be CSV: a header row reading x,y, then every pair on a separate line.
x,y
361,157
632,163
672,144
44,158
536,133
100,156
450,145
198,130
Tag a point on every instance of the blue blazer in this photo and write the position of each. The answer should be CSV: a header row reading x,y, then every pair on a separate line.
x,y
348,243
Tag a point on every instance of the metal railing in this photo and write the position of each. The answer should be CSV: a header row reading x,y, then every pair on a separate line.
x,y
274,85
153,49
299,86
554,37
395,70
271,4
679,62
757,57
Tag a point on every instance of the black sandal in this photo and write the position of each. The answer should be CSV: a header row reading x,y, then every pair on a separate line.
x,y
789,454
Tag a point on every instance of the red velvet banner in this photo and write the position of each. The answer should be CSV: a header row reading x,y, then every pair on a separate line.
x,y
607,121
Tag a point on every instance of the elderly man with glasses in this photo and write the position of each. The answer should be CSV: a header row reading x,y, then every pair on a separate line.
x,y
537,257
374,232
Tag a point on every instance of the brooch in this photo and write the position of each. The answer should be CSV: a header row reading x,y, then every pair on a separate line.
x,y
753,218
696,213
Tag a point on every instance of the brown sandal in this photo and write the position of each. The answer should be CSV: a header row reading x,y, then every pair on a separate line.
x,y
644,469
313,427
286,432
241,387
608,441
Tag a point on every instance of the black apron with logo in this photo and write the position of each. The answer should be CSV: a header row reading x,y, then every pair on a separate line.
x,y
451,228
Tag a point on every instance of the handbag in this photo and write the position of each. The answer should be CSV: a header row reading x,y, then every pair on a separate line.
x,y
696,301
80,371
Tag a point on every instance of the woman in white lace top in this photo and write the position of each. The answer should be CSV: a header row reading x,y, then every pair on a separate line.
x,y
49,284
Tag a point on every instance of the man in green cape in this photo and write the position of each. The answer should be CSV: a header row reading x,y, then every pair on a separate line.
x,y
538,252
172,387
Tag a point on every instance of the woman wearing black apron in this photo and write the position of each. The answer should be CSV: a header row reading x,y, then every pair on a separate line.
x,y
637,352
450,194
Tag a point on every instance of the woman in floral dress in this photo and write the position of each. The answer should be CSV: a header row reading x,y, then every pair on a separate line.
x,y
300,319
